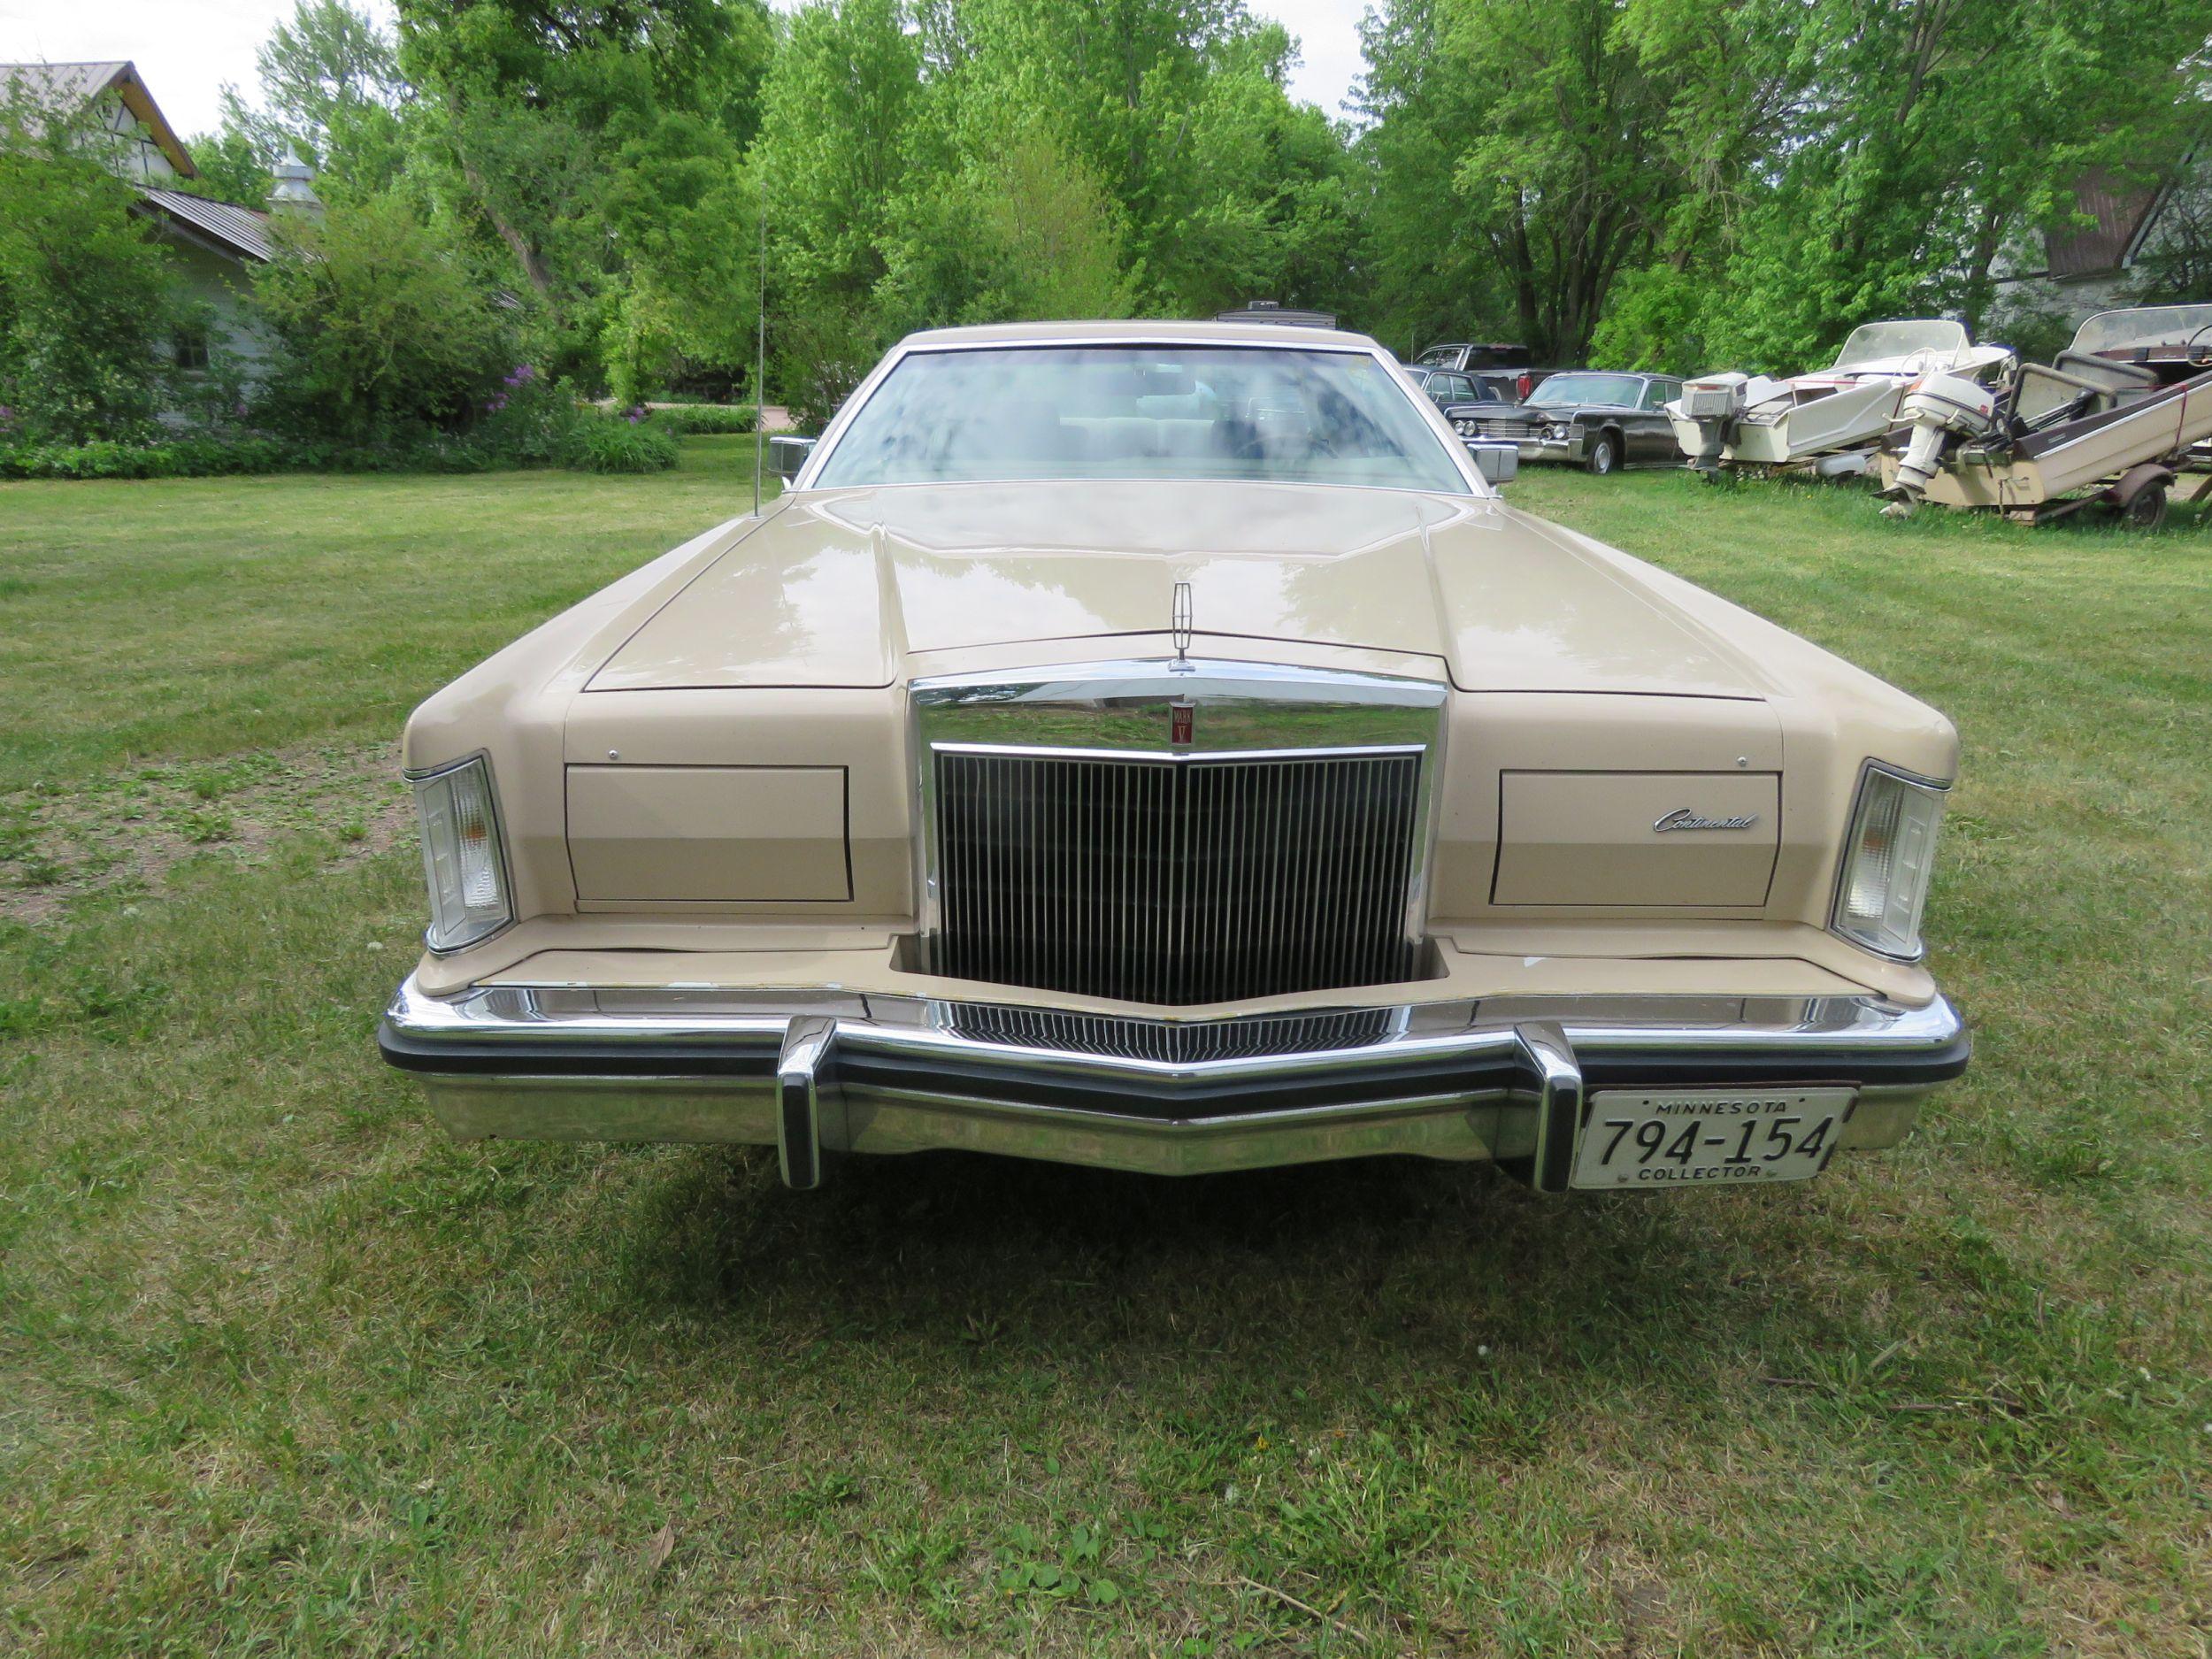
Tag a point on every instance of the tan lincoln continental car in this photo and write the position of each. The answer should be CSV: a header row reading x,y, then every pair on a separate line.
x,y
1156,746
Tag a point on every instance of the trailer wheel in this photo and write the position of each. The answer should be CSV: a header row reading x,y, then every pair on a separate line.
x,y
2145,508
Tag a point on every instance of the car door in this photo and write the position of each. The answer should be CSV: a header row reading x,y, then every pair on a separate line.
x,y
1652,436
1447,389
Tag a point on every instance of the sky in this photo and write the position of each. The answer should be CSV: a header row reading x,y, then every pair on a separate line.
x,y
187,49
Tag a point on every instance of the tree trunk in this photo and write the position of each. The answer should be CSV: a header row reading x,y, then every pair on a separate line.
x,y
1977,284
525,253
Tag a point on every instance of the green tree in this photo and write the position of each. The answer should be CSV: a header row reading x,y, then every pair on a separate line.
x,y
1225,189
1914,142
563,130
1524,154
86,298
1428,275
844,147
330,93
843,134
1019,230
232,167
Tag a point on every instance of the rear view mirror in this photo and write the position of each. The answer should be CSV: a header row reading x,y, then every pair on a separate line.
x,y
1498,463
787,454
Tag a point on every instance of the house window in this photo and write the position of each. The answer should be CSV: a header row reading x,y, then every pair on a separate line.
x,y
189,346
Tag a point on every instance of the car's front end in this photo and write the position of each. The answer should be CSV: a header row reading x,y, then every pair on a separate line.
x,y
1538,434
1175,826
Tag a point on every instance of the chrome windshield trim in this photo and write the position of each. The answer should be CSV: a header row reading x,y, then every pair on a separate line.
x,y
1287,340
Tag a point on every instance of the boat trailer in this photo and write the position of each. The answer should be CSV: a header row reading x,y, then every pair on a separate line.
x,y
2120,420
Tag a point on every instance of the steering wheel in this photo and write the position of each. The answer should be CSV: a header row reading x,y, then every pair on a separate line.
x,y
2199,350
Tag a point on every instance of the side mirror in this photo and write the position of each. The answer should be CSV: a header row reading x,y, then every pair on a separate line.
x,y
1498,463
787,454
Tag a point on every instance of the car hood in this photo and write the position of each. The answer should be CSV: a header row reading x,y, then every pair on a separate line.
x,y
840,588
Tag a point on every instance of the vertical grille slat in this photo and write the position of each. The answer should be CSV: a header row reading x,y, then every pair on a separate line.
x,y
1176,881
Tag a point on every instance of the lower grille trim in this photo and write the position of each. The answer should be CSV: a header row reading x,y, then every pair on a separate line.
x,y
1171,1042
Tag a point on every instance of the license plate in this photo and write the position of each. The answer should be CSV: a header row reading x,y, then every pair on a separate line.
x,y
1654,1138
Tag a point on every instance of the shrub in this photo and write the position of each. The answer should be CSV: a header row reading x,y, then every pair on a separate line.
x,y
527,420
384,327
618,444
221,456
182,458
529,424
704,419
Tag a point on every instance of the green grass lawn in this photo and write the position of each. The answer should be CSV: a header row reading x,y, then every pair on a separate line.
x,y
284,1370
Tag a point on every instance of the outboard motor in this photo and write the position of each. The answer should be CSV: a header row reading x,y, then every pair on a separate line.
x,y
1941,407
1713,405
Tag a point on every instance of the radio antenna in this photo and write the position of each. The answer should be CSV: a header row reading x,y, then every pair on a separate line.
x,y
760,356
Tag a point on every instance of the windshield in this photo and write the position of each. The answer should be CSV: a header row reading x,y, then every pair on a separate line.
x,y
1587,389
1142,411
1871,343
2144,326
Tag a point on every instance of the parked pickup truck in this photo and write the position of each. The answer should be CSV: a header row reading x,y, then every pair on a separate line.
x,y
1509,370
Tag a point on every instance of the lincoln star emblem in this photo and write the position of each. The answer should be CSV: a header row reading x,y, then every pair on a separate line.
x,y
1683,819
1180,620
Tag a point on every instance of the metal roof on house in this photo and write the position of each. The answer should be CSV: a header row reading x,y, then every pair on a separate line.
x,y
2122,215
242,232
72,86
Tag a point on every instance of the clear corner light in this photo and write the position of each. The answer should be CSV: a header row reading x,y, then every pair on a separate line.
x,y
460,855
1886,862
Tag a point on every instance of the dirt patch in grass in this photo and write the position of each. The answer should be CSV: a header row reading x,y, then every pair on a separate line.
x,y
130,828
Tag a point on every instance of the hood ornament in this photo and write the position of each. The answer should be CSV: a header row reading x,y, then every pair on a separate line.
x,y
1683,819
1180,630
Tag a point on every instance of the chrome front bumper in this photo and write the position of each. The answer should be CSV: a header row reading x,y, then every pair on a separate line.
x,y
1569,450
808,1070
1565,449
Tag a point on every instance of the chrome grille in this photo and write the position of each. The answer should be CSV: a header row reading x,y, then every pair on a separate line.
x,y
1167,1043
1176,881
1510,428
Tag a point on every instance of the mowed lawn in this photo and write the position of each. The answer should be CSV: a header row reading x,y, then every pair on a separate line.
x,y
284,1370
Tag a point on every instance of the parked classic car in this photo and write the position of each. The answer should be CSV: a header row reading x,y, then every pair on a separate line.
x,y
1156,746
1447,387
1593,419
